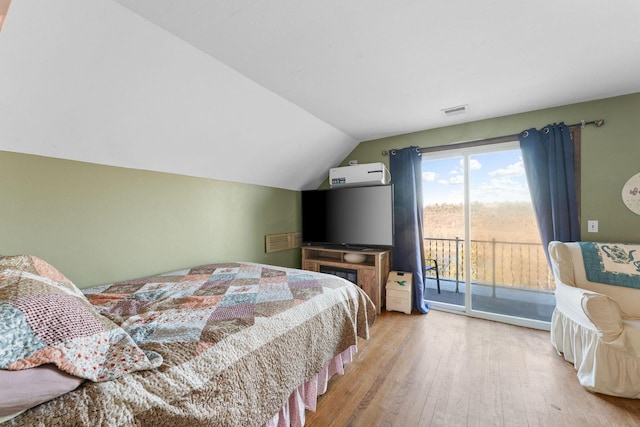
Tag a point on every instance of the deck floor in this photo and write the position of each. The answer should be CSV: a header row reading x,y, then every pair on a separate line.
x,y
511,302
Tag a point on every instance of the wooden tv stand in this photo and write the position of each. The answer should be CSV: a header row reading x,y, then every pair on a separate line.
x,y
372,272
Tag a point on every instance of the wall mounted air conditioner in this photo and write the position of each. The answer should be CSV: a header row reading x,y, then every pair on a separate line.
x,y
359,175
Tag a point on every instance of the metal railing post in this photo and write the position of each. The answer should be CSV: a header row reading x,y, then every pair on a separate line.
x,y
457,265
493,257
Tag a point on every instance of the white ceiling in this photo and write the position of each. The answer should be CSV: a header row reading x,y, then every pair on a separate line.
x,y
378,68
277,92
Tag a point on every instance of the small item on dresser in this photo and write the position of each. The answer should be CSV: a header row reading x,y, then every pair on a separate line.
x,y
354,257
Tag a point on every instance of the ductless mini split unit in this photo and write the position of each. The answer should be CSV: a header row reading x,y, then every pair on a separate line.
x,y
359,175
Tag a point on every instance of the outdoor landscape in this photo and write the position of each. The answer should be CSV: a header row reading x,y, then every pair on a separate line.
x,y
505,245
505,221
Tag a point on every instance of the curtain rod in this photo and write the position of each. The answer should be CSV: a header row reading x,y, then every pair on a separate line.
x,y
495,140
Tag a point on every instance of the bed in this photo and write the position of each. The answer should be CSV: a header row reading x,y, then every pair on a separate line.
x,y
224,344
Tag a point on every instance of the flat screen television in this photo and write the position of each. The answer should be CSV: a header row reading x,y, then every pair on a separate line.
x,y
351,217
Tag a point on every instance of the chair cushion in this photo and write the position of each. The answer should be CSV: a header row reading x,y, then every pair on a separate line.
x,y
627,298
562,263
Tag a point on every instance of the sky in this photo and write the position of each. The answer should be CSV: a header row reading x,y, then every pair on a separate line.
x,y
494,177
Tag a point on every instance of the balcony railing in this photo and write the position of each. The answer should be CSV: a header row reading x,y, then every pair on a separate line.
x,y
494,263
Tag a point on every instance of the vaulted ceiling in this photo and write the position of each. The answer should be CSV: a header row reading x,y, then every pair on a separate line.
x,y
277,92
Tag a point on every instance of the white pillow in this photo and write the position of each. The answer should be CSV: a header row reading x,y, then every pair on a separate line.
x,y
25,389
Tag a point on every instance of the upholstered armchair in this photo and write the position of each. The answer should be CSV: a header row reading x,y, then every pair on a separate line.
x,y
596,322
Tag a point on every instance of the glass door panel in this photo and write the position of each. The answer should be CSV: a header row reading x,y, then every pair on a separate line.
x,y
508,269
444,229
481,230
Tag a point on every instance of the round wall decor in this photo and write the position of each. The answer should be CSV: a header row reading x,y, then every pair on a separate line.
x,y
631,194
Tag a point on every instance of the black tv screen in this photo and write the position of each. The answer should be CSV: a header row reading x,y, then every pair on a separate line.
x,y
355,217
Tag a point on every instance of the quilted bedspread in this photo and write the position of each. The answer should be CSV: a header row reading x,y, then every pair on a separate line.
x,y
235,338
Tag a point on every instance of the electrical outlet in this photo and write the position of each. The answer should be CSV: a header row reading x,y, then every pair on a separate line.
x,y
592,226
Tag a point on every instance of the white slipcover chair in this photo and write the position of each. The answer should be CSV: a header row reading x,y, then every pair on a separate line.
x,y
596,326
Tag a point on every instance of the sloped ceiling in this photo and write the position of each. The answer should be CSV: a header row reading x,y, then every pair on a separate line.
x,y
275,93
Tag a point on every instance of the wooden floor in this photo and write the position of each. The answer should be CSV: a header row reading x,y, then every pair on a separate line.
x,y
446,369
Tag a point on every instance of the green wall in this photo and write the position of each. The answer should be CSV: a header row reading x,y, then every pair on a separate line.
x,y
99,224
610,155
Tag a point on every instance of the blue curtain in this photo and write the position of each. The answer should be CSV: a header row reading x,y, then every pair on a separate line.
x,y
405,166
548,160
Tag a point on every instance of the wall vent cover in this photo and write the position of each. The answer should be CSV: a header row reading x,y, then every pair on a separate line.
x,y
453,111
282,241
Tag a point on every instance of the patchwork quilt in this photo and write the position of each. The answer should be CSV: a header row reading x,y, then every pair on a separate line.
x,y
45,319
235,339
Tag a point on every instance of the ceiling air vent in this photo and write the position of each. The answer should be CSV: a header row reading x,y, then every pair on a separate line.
x,y
453,111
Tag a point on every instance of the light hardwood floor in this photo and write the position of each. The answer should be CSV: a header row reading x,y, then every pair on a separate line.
x,y
445,369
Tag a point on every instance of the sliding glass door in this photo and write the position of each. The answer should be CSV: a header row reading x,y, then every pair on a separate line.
x,y
481,230
444,228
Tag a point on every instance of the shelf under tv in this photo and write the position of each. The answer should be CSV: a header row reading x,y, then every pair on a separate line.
x,y
371,273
